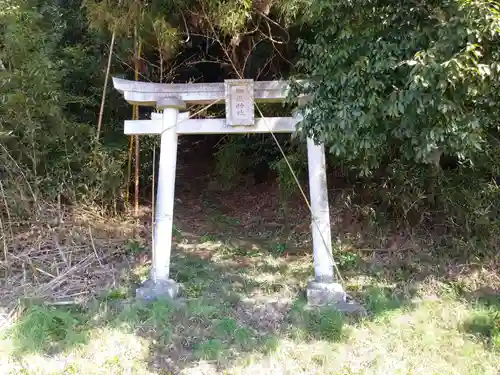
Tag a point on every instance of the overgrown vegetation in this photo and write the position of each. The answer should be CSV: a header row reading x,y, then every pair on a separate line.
x,y
45,117
403,80
237,320
402,91
389,99
404,96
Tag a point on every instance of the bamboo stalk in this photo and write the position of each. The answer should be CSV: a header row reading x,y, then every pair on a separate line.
x,y
103,99
136,166
161,67
4,240
129,168
153,200
7,210
136,182
137,145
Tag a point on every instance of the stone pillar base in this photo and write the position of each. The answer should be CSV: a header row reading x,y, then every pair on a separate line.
x,y
151,290
324,293
331,294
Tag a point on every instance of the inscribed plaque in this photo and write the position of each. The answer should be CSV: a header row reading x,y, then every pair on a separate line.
x,y
239,102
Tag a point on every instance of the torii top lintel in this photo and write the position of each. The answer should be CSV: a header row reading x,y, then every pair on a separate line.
x,y
147,94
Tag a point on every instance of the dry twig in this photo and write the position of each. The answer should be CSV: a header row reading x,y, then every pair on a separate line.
x,y
43,269
93,247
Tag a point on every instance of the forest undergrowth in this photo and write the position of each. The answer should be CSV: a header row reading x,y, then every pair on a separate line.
x,y
243,257
409,117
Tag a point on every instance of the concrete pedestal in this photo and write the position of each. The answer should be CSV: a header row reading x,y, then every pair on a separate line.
x,y
151,290
331,294
324,293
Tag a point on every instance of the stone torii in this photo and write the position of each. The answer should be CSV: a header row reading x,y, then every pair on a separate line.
x,y
239,97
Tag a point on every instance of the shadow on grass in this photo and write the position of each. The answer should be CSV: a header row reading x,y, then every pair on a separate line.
x,y
230,310
221,318
48,330
484,321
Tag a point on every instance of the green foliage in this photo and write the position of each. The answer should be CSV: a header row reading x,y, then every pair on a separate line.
x,y
347,260
325,324
210,349
176,232
121,16
278,249
230,161
230,16
396,86
238,156
53,58
138,314
485,324
404,80
208,238
48,151
243,337
465,201
134,247
270,344
226,326
328,324
297,161
116,294
390,84
378,300
166,37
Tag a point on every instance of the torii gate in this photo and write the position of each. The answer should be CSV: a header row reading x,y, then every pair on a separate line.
x,y
239,97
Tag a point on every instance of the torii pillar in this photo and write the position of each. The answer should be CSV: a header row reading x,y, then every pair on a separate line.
x,y
239,96
159,284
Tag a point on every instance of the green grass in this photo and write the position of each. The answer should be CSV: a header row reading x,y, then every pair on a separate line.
x,y
226,327
484,324
208,238
225,220
278,249
254,319
209,350
133,247
176,232
117,294
48,330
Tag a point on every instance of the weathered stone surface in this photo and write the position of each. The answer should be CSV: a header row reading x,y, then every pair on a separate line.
x,y
324,293
351,308
321,294
151,290
147,93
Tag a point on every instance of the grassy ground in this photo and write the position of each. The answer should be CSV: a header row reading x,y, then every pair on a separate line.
x,y
243,312
433,302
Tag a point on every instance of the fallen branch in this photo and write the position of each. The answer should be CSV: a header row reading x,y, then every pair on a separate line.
x,y
93,247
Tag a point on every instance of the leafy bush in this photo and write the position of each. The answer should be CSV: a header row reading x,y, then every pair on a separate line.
x,y
394,89
46,151
401,80
464,201
257,155
297,160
